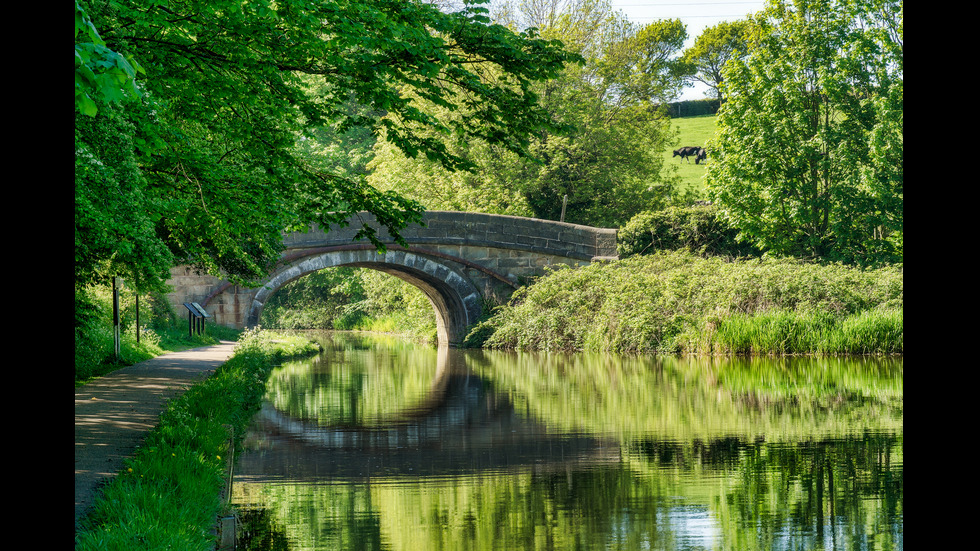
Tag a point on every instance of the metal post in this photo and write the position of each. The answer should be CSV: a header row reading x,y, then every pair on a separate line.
x,y
195,318
115,317
137,317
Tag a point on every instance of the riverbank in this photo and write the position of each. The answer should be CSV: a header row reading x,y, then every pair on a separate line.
x,y
679,303
167,493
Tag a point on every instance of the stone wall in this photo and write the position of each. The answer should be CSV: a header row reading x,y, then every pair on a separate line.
x,y
229,307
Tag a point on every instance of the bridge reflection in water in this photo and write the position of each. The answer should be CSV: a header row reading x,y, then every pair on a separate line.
x,y
485,452
461,427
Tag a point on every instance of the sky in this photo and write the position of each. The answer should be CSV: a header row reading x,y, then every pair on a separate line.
x,y
696,15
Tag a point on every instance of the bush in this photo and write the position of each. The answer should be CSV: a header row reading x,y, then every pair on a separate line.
x,y
696,228
677,302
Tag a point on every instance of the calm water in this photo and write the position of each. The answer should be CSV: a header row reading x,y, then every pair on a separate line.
x,y
381,444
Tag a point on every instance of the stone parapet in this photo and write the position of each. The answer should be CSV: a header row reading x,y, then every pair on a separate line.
x,y
458,259
472,229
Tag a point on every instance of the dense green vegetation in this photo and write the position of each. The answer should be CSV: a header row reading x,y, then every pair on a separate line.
x,y
585,121
169,494
808,158
679,218
188,114
606,157
550,113
203,130
160,330
697,228
352,299
678,302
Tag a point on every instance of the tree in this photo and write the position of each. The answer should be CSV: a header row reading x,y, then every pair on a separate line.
x,y
712,49
100,73
606,160
115,220
229,89
808,157
658,66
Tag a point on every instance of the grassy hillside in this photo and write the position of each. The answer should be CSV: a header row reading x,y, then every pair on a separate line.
x,y
693,131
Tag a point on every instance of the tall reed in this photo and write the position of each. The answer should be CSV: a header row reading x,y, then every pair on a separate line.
x,y
791,332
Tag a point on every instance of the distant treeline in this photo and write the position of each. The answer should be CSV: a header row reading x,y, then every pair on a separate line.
x,y
693,108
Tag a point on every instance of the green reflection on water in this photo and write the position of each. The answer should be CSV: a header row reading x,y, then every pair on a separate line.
x,y
706,454
353,383
697,398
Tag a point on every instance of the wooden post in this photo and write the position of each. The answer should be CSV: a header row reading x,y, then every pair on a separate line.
x,y
227,523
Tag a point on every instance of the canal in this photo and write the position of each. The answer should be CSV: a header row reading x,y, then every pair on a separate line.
x,y
379,443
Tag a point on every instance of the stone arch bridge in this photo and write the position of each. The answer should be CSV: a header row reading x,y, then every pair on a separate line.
x,y
456,258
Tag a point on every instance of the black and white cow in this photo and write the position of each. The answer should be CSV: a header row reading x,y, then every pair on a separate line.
x,y
701,155
686,152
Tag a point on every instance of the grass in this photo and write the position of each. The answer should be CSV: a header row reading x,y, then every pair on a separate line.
x,y
674,302
693,131
168,495
791,332
94,337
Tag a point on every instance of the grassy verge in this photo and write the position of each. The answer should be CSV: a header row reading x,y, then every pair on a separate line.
x,y
680,303
168,496
165,332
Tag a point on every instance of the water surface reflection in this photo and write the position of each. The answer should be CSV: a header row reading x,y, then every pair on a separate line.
x,y
380,444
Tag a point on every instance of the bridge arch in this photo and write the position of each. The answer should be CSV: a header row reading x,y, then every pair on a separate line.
x,y
455,300
458,259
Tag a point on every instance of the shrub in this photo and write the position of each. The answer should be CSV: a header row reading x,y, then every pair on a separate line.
x,y
695,228
678,302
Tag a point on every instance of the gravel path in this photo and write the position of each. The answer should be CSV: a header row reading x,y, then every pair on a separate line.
x,y
113,414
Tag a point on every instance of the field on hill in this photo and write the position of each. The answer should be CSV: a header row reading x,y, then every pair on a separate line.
x,y
693,131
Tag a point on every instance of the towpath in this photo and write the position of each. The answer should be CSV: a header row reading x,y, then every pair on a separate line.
x,y
113,414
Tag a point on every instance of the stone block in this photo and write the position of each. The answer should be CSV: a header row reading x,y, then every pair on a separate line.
x,y
510,246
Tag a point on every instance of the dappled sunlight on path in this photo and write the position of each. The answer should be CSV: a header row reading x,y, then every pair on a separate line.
x,y
113,414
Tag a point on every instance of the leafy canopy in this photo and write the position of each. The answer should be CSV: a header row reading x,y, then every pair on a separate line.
x,y
712,49
606,157
100,73
808,158
229,87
